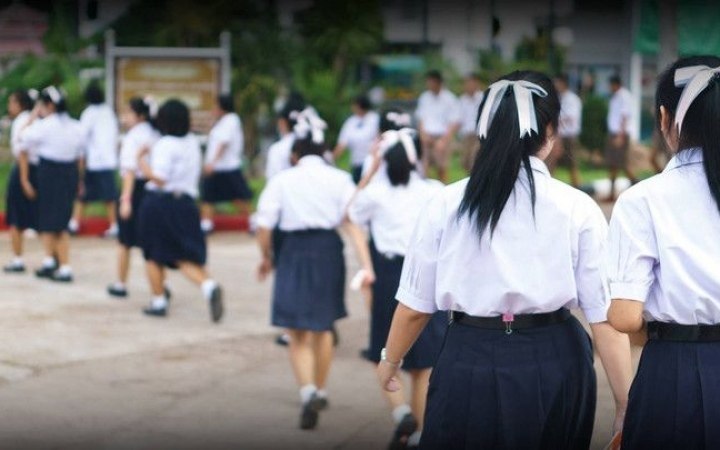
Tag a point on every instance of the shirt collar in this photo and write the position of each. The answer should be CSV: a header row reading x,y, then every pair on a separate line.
x,y
684,157
311,160
537,165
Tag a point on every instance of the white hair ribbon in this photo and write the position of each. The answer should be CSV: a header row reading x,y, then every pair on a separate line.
x,y
33,94
152,105
308,122
54,94
399,119
523,91
405,136
694,80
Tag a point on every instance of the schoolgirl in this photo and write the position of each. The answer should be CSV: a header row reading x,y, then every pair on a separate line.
x,y
390,119
279,153
358,134
508,252
21,205
100,160
223,179
137,120
308,202
169,219
663,260
56,138
391,210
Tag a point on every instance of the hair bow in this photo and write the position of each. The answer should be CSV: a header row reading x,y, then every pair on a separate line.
x,y
523,91
54,94
309,123
694,80
405,136
33,94
152,105
399,119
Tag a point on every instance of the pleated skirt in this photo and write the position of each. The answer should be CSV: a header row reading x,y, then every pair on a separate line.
x,y
225,186
100,186
309,288
57,190
128,230
424,353
532,389
675,398
21,212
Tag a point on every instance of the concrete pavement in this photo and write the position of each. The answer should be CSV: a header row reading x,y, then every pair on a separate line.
x,y
80,370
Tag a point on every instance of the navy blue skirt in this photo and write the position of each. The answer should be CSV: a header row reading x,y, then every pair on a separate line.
x,y
225,186
128,233
57,189
309,290
21,212
675,398
534,389
169,226
100,186
425,351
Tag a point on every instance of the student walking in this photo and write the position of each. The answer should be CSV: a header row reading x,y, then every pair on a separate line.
x,y
358,134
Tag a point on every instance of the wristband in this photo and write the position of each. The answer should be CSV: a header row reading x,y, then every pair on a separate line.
x,y
383,358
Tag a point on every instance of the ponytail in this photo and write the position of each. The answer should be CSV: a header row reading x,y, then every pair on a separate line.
x,y
505,152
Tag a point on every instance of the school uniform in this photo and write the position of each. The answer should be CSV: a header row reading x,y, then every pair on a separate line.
x,y
391,213
101,153
620,108
138,137
227,181
663,252
437,113
570,123
525,380
278,156
308,203
358,134
169,219
57,140
469,111
21,212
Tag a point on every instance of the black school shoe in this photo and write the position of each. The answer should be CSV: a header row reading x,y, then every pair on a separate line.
x,y
14,268
118,292
310,413
282,340
62,278
45,272
407,426
155,312
216,304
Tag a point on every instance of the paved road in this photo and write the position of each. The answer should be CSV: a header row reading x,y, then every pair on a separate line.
x,y
81,371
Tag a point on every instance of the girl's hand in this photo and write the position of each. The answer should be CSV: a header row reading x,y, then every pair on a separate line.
x,y
369,277
388,376
265,269
125,209
29,190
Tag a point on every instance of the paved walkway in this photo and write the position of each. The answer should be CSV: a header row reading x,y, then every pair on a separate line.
x,y
81,371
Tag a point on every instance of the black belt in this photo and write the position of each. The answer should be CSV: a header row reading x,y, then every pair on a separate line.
x,y
518,322
662,331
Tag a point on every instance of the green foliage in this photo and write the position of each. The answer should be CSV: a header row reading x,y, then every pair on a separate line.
x,y
594,126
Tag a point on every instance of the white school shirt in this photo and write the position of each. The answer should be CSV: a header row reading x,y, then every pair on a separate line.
x,y
620,106
437,112
392,211
15,143
358,134
469,106
310,195
228,131
278,156
138,137
178,162
101,137
664,245
570,115
531,265
57,137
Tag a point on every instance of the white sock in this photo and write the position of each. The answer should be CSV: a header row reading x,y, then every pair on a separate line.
x,y
414,439
400,412
306,392
206,225
321,393
113,228
159,302
65,270
207,288
118,285
48,262
73,225
17,261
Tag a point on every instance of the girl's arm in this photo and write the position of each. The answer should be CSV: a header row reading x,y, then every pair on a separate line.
x,y
128,185
145,168
24,165
360,242
264,238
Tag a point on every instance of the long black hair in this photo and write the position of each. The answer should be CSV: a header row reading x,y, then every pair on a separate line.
x,y
24,99
701,125
503,153
46,98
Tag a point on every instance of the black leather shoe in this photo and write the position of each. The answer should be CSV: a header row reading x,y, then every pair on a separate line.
x,y
407,426
336,337
155,312
216,304
283,340
310,414
14,268
115,291
168,293
45,272
322,403
62,278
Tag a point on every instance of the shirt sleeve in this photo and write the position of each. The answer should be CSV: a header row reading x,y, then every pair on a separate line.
x,y
344,136
32,135
269,205
417,282
632,249
224,132
592,288
362,207
128,155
